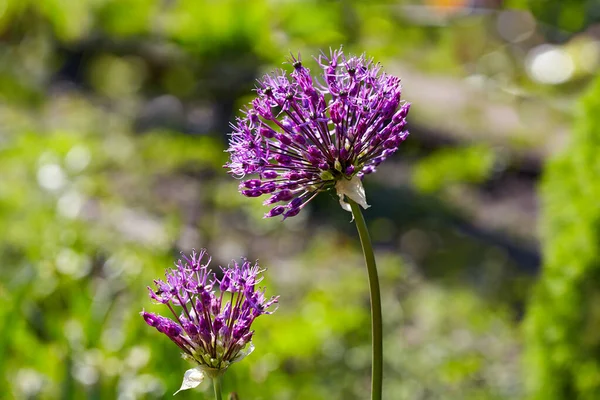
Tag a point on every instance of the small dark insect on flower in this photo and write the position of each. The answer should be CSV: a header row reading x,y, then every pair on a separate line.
x,y
301,136
211,328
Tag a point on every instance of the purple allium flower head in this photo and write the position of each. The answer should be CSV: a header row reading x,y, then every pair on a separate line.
x,y
211,318
302,134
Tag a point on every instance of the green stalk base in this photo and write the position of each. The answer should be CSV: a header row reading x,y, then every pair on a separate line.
x,y
217,386
375,293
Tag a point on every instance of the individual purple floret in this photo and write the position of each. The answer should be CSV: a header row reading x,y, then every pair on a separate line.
x,y
301,136
211,317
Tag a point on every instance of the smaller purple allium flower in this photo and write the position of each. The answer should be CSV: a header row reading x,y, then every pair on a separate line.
x,y
212,318
305,135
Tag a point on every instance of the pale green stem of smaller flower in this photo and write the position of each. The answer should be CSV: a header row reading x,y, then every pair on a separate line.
x,y
217,386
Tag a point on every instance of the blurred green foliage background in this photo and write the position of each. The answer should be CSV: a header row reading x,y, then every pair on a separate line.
x,y
114,115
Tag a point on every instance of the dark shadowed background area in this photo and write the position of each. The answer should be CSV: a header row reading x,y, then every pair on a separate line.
x,y
114,117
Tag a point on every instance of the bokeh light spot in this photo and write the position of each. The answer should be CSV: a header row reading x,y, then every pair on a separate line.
x,y
51,177
549,64
515,26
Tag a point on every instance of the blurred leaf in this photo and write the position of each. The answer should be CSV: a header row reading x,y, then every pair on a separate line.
x,y
452,166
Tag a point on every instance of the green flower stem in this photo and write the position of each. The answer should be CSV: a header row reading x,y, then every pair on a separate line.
x,y
376,318
217,386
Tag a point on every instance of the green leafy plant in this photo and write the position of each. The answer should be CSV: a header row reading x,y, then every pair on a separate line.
x,y
562,334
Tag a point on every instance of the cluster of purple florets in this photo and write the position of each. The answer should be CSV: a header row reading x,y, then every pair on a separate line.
x,y
212,329
300,137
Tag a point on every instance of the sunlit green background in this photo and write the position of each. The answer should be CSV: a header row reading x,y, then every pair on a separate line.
x,y
113,123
